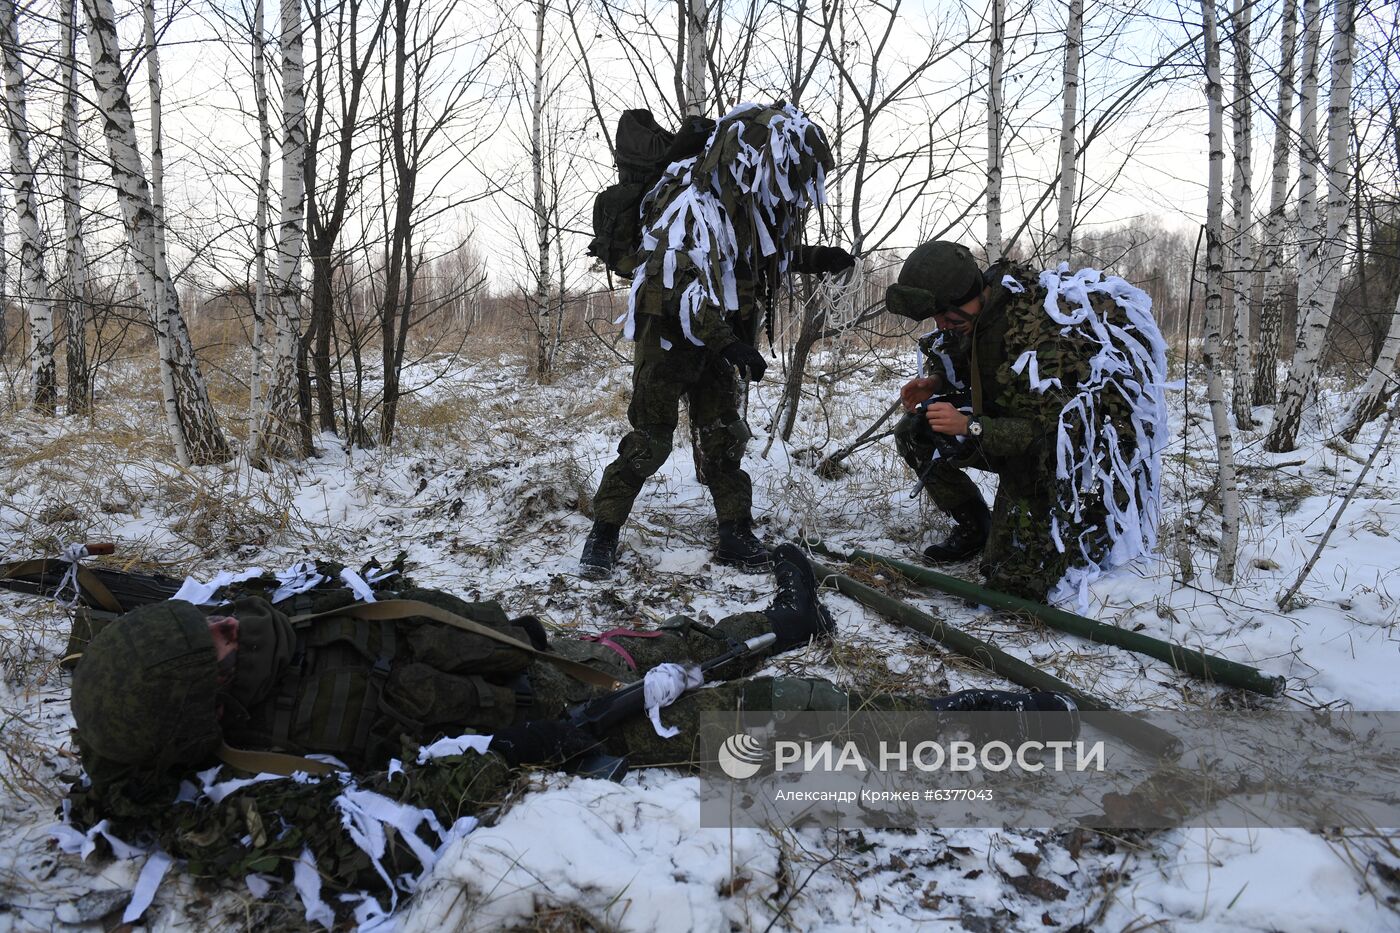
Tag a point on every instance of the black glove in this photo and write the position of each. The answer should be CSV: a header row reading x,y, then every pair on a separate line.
x,y
826,260
747,361
540,741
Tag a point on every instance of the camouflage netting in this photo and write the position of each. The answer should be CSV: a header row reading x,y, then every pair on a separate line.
x,y
1087,350
735,211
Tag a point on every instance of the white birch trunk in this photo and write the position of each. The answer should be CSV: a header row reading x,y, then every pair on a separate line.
x,y
697,19
1381,383
75,257
1317,292
1069,115
33,282
193,423
277,433
259,44
148,16
1271,312
1215,387
541,208
4,279
994,124
1242,202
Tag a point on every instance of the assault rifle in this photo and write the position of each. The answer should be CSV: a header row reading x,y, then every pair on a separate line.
x,y
600,716
98,588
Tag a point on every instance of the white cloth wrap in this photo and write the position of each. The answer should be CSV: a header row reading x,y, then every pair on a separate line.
x,y
664,685
71,554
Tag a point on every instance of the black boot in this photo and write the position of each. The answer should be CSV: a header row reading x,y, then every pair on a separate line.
x,y
968,536
739,548
599,551
798,617
1041,715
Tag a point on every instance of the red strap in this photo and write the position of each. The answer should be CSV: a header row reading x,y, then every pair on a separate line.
x,y
606,639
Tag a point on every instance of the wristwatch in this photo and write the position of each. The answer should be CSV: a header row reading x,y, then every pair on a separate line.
x,y
974,426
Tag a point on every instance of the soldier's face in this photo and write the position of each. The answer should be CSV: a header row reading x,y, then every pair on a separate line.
x,y
224,631
959,319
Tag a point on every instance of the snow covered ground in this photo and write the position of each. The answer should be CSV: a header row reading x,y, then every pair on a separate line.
x,y
488,493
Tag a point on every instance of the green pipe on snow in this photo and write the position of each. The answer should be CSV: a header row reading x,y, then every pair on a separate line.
x,y
1150,739
1207,667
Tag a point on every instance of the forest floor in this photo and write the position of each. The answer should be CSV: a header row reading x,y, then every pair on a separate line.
x,y
487,490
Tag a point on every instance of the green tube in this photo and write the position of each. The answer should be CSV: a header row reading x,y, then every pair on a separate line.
x,y
1148,738
1190,661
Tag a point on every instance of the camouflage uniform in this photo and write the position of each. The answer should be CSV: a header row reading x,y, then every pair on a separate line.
x,y
667,364
325,687
1019,432
666,367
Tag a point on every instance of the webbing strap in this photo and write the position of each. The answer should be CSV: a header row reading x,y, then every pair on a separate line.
x,y
606,640
91,587
412,608
272,762
976,377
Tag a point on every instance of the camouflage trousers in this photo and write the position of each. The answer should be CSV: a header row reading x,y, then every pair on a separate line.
x,y
1021,557
660,379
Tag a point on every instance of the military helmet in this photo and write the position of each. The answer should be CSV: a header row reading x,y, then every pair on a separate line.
x,y
145,693
937,275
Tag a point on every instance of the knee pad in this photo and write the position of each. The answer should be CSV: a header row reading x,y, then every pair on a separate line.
x,y
644,451
725,442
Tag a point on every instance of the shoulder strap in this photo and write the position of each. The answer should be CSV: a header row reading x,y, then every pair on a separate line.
x,y
411,608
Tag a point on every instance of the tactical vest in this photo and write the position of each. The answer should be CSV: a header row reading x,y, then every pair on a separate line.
x,y
351,687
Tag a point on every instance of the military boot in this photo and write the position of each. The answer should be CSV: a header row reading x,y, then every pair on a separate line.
x,y
968,537
1040,715
599,551
796,614
739,548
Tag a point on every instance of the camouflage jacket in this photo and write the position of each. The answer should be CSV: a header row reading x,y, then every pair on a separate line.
x,y
1030,369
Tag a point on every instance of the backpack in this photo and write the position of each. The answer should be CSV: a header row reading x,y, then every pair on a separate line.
x,y
642,149
337,696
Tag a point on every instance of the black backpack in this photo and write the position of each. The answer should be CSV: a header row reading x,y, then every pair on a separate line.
x,y
642,150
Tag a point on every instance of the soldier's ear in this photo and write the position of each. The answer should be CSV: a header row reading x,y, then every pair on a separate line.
x,y
910,301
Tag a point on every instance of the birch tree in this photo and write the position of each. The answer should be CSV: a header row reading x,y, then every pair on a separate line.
x,y
1242,201
1265,389
34,285
539,202
1074,40
1320,279
1381,382
695,19
995,120
153,90
1215,388
4,278
257,35
190,417
278,430
75,257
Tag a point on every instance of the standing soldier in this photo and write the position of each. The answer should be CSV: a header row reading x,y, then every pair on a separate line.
x,y
721,234
1052,380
